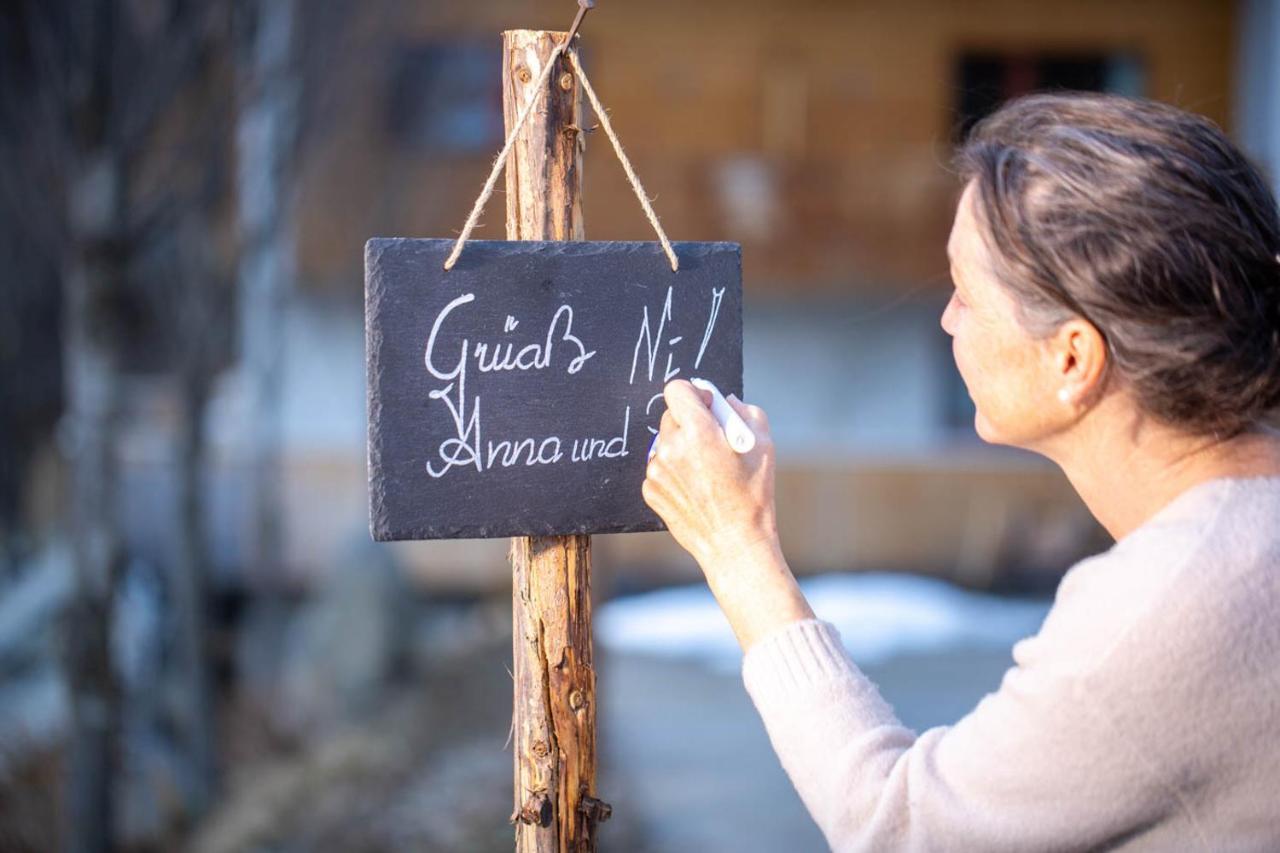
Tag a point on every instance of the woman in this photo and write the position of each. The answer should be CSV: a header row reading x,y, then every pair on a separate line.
x,y
1116,309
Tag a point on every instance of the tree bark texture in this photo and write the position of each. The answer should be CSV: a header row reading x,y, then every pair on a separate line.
x,y
555,687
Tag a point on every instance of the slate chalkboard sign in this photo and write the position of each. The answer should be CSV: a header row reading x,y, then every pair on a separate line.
x,y
518,393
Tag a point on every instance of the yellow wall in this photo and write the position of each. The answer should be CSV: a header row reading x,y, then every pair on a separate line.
x,y
847,105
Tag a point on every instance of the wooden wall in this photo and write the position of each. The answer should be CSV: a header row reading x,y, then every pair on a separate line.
x,y
816,132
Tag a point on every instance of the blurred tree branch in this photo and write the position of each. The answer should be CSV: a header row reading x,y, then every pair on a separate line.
x,y
112,102
288,93
157,143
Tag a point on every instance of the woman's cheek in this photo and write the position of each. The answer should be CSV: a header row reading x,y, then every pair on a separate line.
x,y
977,382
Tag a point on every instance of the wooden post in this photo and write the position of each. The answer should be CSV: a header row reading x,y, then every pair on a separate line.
x,y
555,683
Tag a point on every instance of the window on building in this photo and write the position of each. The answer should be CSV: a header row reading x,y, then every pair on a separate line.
x,y
446,97
987,80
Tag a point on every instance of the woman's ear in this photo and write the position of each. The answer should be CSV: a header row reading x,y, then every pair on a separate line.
x,y
1080,360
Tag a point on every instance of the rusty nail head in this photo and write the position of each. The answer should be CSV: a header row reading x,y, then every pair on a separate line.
x,y
577,699
595,809
566,81
523,75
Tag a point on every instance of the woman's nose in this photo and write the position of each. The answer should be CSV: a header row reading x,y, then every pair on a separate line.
x,y
947,320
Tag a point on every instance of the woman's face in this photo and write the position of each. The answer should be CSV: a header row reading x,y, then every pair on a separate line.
x,y
1008,374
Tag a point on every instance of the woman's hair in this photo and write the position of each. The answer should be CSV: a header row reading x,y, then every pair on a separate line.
x,y
1146,221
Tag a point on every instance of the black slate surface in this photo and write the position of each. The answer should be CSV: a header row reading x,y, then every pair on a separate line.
x,y
461,378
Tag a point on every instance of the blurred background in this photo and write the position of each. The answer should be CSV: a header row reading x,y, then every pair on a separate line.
x,y
200,646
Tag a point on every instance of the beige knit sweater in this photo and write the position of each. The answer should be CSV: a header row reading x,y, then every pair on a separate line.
x,y
1145,714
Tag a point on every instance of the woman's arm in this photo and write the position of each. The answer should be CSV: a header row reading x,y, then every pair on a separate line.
x,y
1037,765
757,592
719,506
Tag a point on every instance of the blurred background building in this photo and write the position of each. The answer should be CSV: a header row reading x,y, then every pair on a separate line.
x,y
816,134
185,191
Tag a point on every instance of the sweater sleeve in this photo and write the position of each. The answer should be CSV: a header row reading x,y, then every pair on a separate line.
x,y
1035,766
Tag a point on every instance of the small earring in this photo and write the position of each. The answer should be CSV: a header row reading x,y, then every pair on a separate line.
x,y
1064,395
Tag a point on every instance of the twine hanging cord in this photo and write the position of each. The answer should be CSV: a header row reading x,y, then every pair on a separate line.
x,y
539,87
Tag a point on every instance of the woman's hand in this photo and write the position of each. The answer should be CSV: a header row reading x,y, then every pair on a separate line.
x,y
714,501
719,505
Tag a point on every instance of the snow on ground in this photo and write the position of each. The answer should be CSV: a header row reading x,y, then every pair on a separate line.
x,y
880,616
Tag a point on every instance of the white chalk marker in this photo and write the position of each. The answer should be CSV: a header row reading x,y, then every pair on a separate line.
x,y
736,431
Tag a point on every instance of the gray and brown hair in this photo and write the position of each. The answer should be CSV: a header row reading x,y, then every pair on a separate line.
x,y
1146,221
